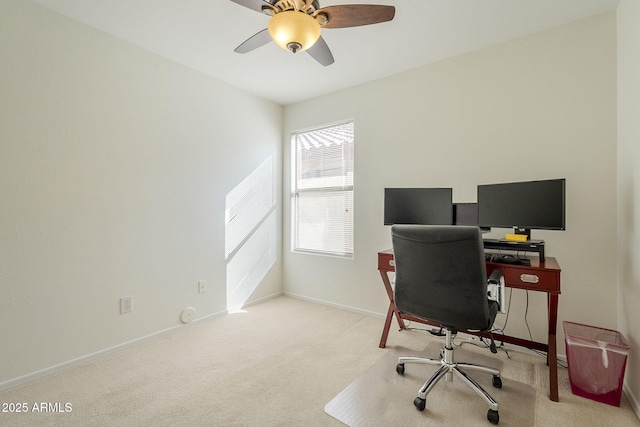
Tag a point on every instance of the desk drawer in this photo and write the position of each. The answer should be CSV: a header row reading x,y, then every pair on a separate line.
x,y
531,279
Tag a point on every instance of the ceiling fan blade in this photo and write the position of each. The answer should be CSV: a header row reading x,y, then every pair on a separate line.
x,y
256,5
255,41
320,52
355,15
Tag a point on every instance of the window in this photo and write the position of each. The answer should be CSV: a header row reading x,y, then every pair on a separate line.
x,y
322,193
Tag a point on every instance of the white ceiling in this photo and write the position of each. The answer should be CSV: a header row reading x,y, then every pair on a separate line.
x,y
202,34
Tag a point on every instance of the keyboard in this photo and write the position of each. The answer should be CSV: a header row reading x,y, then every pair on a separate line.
x,y
510,259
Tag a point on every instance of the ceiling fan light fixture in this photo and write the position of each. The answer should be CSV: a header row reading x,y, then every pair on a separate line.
x,y
294,31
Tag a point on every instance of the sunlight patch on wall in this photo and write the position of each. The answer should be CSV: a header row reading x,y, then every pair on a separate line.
x,y
250,233
251,263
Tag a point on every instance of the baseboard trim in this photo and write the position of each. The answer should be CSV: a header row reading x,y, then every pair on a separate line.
x,y
633,401
107,351
335,305
102,353
255,301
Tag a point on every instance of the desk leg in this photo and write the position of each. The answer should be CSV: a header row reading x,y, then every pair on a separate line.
x,y
387,325
552,354
390,312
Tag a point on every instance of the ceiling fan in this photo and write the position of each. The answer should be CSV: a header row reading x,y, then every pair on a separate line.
x,y
295,25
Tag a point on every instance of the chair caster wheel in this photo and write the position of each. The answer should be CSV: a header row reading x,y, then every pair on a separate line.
x,y
400,368
497,381
493,416
420,403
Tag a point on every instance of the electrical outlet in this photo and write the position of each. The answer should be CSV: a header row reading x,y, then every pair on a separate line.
x,y
125,304
202,286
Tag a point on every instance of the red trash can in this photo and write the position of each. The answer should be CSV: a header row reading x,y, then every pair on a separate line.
x,y
597,358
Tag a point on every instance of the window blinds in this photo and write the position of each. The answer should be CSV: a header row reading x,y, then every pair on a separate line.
x,y
322,196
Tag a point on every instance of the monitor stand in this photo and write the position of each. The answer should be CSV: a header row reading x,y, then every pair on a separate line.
x,y
528,246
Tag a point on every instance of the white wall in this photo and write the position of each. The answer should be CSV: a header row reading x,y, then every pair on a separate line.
x,y
114,167
540,107
629,190
115,164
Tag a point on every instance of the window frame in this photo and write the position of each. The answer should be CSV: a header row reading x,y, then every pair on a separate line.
x,y
296,192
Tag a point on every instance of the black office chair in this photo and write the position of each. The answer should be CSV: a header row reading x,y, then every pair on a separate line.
x,y
441,277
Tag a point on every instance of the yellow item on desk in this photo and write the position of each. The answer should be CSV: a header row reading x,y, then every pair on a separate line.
x,y
516,237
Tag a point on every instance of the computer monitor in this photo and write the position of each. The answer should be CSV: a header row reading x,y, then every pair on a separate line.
x,y
427,206
523,205
465,214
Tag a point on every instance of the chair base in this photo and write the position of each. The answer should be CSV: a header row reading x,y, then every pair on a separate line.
x,y
448,367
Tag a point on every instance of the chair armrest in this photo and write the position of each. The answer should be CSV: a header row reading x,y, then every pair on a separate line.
x,y
495,289
495,276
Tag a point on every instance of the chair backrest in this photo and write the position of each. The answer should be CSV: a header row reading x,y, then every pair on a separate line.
x,y
441,275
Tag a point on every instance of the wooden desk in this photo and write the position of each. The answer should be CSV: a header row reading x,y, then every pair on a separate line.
x,y
539,276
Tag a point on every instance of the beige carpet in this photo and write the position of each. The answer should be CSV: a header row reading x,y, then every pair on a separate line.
x,y
382,397
275,364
